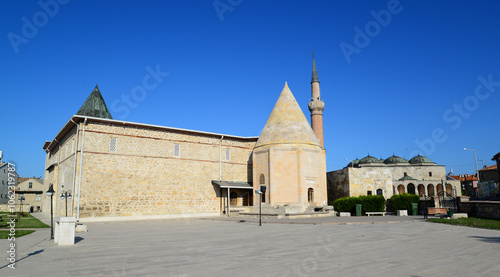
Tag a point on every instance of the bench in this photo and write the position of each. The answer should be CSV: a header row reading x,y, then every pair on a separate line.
x,y
437,211
375,213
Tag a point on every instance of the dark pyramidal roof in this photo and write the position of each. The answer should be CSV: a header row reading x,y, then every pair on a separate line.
x,y
95,106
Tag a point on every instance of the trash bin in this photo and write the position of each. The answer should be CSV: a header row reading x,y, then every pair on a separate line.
x,y
358,209
450,213
414,208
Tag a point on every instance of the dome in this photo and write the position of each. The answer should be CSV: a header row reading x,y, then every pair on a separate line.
x,y
353,163
420,160
395,160
369,160
406,178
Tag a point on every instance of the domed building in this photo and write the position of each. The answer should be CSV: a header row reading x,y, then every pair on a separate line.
x,y
394,175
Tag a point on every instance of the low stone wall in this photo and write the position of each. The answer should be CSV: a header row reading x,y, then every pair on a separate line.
x,y
483,209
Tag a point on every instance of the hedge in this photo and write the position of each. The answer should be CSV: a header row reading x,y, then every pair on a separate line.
x,y
373,203
403,201
345,204
370,203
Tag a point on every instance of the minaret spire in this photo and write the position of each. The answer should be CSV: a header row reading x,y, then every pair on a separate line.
x,y
315,72
316,106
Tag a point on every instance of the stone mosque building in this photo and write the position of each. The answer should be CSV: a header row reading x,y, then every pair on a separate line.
x,y
394,175
116,168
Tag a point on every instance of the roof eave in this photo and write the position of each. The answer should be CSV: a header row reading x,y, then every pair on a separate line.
x,y
49,145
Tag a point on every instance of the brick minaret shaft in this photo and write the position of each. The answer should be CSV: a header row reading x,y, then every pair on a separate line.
x,y
316,106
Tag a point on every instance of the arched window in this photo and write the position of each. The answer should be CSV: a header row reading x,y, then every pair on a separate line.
x,y
380,192
401,189
449,189
430,189
262,179
310,195
421,190
439,188
411,188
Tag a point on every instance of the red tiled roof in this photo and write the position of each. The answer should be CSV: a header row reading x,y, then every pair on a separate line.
x,y
468,178
456,177
493,167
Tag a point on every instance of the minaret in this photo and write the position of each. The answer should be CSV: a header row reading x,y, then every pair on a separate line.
x,y
316,106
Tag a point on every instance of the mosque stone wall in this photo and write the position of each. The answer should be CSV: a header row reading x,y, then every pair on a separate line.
x,y
133,170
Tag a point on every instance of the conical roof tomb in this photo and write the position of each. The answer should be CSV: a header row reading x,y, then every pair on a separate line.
x,y
287,124
95,106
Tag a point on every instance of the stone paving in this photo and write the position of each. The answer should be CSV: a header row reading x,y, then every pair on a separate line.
x,y
221,246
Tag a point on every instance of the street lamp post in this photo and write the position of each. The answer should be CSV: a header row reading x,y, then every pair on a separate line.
x,y
65,195
481,162
475,160
50,193
21,198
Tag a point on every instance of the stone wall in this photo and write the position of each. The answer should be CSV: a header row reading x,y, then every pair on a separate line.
x,y
289,172
59,171
133,170
337,184
483,209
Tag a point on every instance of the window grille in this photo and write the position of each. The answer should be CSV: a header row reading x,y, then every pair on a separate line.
x,y
177,150
112,144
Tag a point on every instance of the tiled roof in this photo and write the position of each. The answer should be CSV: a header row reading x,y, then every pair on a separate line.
x,y
493,167
95,106
468,178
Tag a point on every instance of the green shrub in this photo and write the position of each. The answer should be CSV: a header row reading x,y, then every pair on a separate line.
x,y
403,201
372,203
345,204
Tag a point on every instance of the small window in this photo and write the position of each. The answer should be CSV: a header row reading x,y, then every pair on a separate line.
x,y
405,174
30,185
310,195
262,179
430,174
38,197
380,192
228,154
177,150
369,192
112,144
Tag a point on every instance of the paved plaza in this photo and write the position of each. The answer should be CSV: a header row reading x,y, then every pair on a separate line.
x,y
220,246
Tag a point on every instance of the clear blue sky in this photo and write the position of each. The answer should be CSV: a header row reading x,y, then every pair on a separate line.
x,y
386,89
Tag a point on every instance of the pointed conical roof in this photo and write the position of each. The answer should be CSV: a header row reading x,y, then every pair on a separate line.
x,y
314,78
95,106
287,124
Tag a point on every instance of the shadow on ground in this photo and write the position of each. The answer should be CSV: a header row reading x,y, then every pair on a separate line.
x,y
487,239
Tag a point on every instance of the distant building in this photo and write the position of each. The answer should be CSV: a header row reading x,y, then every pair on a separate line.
x,y
394,175
469,184
4,184
489,173
31,189
497,159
